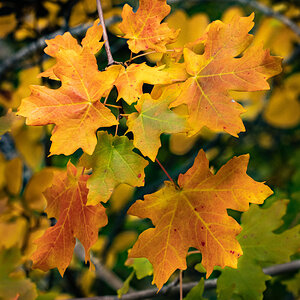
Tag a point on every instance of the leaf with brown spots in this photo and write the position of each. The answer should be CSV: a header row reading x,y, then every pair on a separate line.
x,y
67,199
194,214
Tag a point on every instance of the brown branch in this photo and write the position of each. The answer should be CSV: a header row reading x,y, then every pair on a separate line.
x,y
208,284
13,62
271,13
258,6
110,278
105,36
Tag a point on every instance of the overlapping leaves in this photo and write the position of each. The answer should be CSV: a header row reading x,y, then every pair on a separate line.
x,y
192,214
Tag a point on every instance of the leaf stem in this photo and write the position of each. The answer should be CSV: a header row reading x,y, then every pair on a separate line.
x,y
144,54
82,172
180,285
117,126
105,36
193,252
165,171
111,105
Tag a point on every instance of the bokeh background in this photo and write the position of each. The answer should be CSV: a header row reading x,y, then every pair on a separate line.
x,y
272,139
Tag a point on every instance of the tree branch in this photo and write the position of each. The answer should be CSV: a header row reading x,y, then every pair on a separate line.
x,y
208,284
105,36
13,62
271,13
258,6
102,272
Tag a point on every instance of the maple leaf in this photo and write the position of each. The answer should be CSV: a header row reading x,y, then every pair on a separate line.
x,y
144,29
152,119
262,247
113,163
67,198
130,80
195,215
74,107
218,70
91,41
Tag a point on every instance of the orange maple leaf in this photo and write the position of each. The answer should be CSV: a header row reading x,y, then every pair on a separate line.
x,y
195,215
144,29
67,199
130,80
68,42
218,70
74,107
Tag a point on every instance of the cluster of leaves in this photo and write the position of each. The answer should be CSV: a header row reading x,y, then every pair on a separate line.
x,y
190,88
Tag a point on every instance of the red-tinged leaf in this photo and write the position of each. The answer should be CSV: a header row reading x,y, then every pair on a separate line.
x,y
195,215
218,70
67,199
144,29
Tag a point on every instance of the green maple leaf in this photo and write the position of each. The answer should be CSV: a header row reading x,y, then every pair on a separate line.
x,y
152,119
113,163
262,247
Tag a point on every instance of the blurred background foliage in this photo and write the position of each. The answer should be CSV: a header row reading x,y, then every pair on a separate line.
x,y
272,138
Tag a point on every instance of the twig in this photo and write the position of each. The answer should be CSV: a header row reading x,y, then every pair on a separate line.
x,y
105,36
257,5
13,62
186,287
271,13
101,272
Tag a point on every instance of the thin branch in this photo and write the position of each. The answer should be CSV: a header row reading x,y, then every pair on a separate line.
x,y
271,13
105,36
102,272
208,284
13,62
258,6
